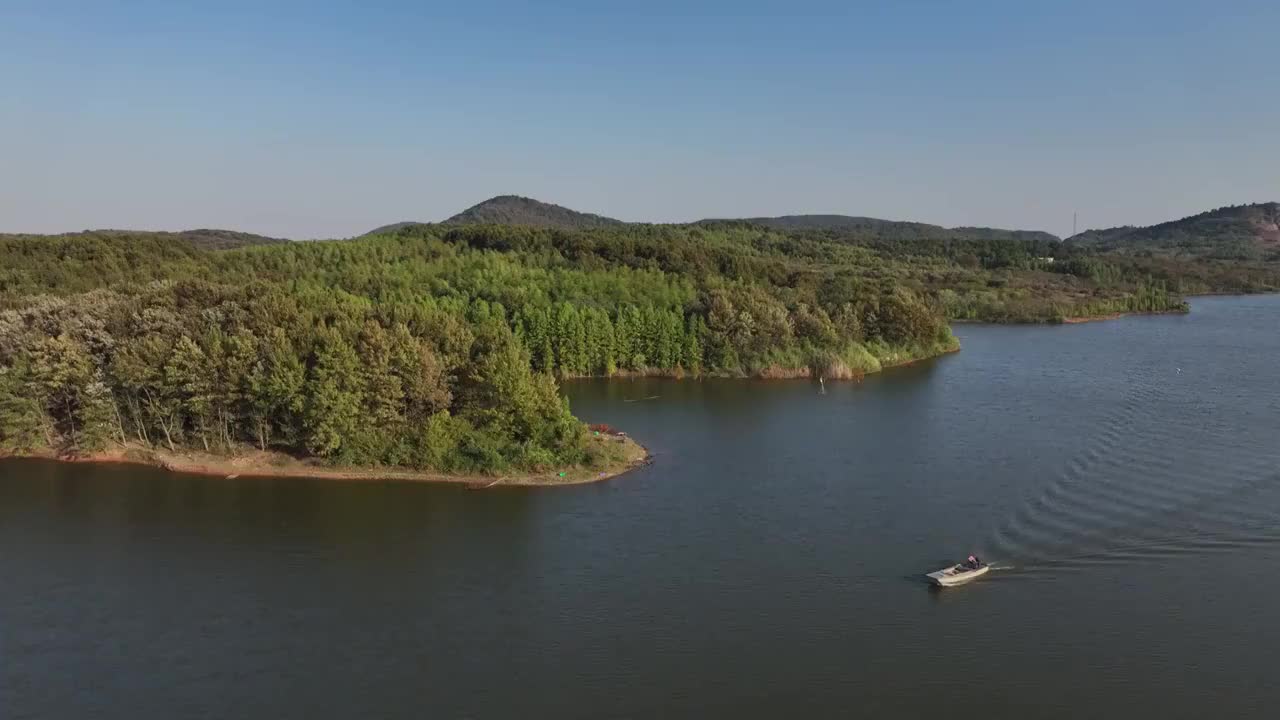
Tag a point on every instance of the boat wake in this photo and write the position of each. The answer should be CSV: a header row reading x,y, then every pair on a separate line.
x,y
1193,482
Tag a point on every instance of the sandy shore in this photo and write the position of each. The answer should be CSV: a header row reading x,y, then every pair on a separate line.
x,y
253,463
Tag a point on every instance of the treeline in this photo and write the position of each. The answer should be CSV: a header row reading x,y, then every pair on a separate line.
x,y
996,306
588,342
1028,252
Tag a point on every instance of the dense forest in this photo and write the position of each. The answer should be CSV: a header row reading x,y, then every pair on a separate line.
x,y
439,346
431,347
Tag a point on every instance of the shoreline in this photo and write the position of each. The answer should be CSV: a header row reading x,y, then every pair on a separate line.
x,y
1071,320
772,372
254,463
273,465
1116,316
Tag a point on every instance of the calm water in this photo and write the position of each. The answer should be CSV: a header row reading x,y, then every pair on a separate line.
x,y
1124,476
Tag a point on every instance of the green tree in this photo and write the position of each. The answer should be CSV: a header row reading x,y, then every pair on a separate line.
x,y
423,375
384,407
62,369
188,378
570,340
137,368
333,414
238,356
275,386
691,352
97,416
24,422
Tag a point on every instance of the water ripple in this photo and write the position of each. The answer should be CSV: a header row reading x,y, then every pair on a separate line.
x,y
1142,490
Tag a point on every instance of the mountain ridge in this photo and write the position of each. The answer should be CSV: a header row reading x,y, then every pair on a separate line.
x,y
520,210
1248,231
878,228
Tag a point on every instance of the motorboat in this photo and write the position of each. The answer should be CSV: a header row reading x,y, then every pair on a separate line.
x,y
958,574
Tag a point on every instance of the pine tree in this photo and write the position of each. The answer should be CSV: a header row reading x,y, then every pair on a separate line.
x,y
238,360
97,416
622,338
691,353
423,374
138,369
334,396
632,344
61,368
570,340
383,389
539,342
599,342
562,332
607,361
276,385
24,422
650,336
578,344
670,339
188,377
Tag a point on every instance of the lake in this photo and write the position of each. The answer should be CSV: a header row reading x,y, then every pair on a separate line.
x,y
1123,477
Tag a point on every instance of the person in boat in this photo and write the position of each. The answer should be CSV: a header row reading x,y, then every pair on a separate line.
x,y
973,563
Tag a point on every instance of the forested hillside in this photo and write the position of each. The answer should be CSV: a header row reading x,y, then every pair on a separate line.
x,y
1235,233
438,346
432,347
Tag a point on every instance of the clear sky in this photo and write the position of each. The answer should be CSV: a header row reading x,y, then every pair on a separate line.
x,y
312,119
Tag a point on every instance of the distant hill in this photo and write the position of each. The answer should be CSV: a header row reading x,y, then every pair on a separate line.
x,y
865,228
205,238
1235,232
394,226
516,210
224,239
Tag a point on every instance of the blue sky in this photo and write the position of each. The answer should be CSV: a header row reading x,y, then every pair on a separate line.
x,y
306,119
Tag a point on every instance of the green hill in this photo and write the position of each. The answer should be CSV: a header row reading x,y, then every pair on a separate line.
x,y
393,227
516,210
1235,232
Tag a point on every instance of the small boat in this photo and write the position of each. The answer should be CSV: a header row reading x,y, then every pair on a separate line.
x,y
958,574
